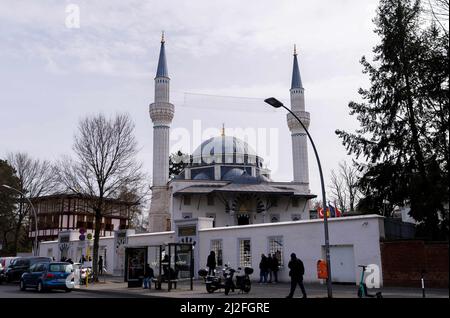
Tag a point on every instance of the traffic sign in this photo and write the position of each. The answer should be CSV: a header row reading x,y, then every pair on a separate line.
x,y
82,231
89,236
82,237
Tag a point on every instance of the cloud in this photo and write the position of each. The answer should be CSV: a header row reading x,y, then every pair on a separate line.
x,y
53,75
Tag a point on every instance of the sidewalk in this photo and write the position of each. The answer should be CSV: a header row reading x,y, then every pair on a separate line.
x,y
116,286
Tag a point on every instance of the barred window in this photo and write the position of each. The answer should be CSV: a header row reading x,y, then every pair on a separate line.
x,y
187,200
276,248
245,253
216,246
296,217
295,202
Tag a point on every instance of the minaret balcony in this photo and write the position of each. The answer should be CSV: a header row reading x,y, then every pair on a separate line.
x,y
292,122
162,113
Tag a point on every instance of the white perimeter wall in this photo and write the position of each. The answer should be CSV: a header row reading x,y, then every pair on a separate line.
x,y
305,238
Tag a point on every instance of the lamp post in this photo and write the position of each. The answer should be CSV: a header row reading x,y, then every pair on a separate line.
x,y
35,217
272,101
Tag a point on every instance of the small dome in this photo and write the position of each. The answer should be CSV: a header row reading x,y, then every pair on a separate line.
x,y
233,173
201,176
262,178
245,178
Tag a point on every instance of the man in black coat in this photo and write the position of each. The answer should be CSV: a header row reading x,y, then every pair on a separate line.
x,y
211,263
297,270
275,267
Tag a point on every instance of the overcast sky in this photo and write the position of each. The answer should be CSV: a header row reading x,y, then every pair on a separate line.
x,y
51,75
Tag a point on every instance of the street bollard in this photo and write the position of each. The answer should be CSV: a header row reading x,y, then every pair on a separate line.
x,y
423,283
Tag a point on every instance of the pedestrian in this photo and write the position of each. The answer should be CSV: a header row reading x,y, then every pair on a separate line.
x,y
275,266
263,267
165,266
148,275
211,263
100,265
269,267
297,270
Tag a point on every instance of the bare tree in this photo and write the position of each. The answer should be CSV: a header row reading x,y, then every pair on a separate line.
x,y
439,10
36,178
137,198
343,187
105,164
338,190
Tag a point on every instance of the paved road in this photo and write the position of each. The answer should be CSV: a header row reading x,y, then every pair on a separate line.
x,y
13,291
119,290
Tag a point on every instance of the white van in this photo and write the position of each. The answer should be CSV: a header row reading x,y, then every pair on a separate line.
x,y
4,264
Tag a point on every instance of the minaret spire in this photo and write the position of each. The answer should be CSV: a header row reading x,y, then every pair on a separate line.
x,y
162,70
296,79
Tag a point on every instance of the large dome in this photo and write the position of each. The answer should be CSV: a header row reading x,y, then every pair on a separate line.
x,y
224,158
226,145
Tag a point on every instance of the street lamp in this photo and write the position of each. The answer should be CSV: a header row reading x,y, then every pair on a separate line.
x,y
35,217
272,101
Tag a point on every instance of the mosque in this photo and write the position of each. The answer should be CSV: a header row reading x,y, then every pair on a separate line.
x,y
225,179
225,201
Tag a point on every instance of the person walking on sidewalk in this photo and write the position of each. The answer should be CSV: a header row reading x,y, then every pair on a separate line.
x,y
148,275
297,270
211,263
100,265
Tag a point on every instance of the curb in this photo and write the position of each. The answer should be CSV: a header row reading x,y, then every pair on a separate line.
x,y
111,292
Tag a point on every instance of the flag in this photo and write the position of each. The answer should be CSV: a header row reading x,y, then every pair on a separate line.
x,y
338,212
332,211
320,212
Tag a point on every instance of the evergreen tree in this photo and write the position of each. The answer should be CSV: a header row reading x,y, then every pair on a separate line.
x,y
404,134
177,162
8,202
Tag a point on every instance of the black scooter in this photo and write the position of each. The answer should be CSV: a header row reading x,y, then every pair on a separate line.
x,y
212,282
243,282
215,282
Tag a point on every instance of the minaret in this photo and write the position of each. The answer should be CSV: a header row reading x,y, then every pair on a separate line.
x,y
299,137
161,113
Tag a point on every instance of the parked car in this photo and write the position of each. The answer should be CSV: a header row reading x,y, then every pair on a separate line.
x,y
21,265
46,276
4,264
